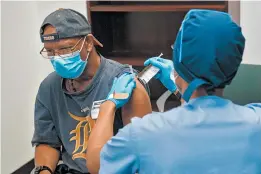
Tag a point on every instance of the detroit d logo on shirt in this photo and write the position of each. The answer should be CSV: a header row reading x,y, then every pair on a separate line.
x,y
81,135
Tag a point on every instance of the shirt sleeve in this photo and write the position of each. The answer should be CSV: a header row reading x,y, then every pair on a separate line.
x,y
118,156
126,69
256,107
44,129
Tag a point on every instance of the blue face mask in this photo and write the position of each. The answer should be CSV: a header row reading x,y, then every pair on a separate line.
x,y
70,66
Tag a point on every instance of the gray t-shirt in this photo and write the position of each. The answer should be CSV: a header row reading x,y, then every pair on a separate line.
x,y
63,119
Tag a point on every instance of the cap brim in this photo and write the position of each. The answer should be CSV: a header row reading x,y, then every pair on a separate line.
x,y
95,41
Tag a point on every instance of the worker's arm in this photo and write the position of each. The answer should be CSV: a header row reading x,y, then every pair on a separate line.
x,y
45,139
103,130
138,105
119,154
101,133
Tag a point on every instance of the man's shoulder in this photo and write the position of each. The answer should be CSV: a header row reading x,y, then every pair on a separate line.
x,y
50,81
51,78
113,63
116,67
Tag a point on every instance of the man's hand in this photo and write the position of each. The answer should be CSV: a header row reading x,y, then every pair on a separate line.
x,y
124,84
165,75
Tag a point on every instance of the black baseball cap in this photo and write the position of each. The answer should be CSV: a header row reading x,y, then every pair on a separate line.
x,y
68,24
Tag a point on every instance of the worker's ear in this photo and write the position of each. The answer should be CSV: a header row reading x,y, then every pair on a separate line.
x,y
219,92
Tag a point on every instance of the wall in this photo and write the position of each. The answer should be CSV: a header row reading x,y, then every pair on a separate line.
x,y
23,69
250,22
246,87
0,101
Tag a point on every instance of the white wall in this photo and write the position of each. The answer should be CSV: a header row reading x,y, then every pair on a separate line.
x,y
23,69
0,98
250,20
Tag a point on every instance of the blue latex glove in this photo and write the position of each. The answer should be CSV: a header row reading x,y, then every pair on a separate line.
x,y
124,84
165,75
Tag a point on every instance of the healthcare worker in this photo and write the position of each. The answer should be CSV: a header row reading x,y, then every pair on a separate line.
x,y
206,134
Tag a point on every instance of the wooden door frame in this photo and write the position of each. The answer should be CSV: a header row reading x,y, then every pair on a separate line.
x,y
234,10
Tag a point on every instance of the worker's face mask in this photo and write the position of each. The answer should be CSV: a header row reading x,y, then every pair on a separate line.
x,y
173,78
71,65
178,88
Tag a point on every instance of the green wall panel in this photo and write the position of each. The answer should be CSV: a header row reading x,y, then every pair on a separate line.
x,y
246,86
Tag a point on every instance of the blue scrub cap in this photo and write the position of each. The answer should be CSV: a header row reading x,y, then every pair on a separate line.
x,y
208,50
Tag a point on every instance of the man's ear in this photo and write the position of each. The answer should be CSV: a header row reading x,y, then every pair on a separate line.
x,y
89,43
94,40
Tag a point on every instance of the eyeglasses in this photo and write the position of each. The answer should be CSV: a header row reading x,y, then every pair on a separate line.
x,y
62,53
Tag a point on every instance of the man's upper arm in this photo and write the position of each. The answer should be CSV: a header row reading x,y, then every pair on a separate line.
x,y
44,129
139,104
117,155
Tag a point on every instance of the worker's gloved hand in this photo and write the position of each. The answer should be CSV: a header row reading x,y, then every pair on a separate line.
x,y
165,75
122,85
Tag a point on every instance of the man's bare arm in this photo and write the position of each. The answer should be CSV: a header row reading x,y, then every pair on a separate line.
x,y
138,106
46,155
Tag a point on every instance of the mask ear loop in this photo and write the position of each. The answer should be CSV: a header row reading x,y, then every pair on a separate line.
x,y
83,43
87,57
88,53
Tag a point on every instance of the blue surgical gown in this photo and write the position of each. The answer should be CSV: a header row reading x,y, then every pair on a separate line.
x,y
208,135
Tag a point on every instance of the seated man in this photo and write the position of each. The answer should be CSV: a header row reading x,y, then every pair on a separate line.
x,y
63,120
